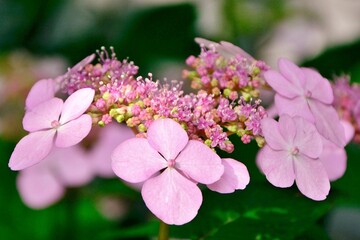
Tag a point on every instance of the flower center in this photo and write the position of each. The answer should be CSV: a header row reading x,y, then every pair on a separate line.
x,y
171,163
308,94
55,124
295,151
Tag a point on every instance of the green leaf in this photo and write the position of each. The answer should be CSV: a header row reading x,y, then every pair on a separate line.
x,y
259,212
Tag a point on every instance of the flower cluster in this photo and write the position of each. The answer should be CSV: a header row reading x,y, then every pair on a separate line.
x,y
138,101
224,69
178,133
347,102
307,144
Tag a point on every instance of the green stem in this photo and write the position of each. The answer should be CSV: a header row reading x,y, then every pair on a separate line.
x,y
163,231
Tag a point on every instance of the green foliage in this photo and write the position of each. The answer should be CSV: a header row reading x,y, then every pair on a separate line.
x,y
338,60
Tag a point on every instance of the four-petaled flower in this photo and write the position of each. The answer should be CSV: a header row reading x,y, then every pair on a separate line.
x,y
170,165
44,184
304,92
50,123
292,153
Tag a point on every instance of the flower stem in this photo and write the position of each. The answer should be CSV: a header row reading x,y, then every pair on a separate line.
x,y
163,231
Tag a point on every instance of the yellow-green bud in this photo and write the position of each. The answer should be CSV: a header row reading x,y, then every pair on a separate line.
x,y
227,92
113,112
130,123
101,123
240,132
232,128
140,103
174,110
120,118
184,126
192,74
246,96
260,141
256,70
208,142
214,82
142,128
106,95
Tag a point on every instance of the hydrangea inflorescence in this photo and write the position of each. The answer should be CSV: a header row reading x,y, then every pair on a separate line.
x,y
178,133
206,116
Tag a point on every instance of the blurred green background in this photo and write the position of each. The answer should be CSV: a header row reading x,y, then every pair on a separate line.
x,y
158,36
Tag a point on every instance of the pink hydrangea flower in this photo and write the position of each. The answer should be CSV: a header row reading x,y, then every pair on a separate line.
x,y
292,153
109,138
44,184
304,92
50,123
235,176
170,165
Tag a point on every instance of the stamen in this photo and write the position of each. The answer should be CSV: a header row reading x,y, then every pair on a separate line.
x,y
308,94
295,151
171,163
55,124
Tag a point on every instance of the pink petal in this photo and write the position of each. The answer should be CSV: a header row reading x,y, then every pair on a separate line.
x,y
73,132
277,166
292,73
307,138
334,160
235,50
319,87
311,178
109,138
171,197
71,165
271,132
226,49
293,107
327,122
80,65
43,115
287,128
200,163
39,188
205,42
236,176
42,91
135,160
167,137
349,130
76,104
31,149
281,85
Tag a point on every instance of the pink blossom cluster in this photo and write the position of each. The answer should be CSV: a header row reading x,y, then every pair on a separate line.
x,y
177,133
138,101
306,144
347,102
224,69
108,71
